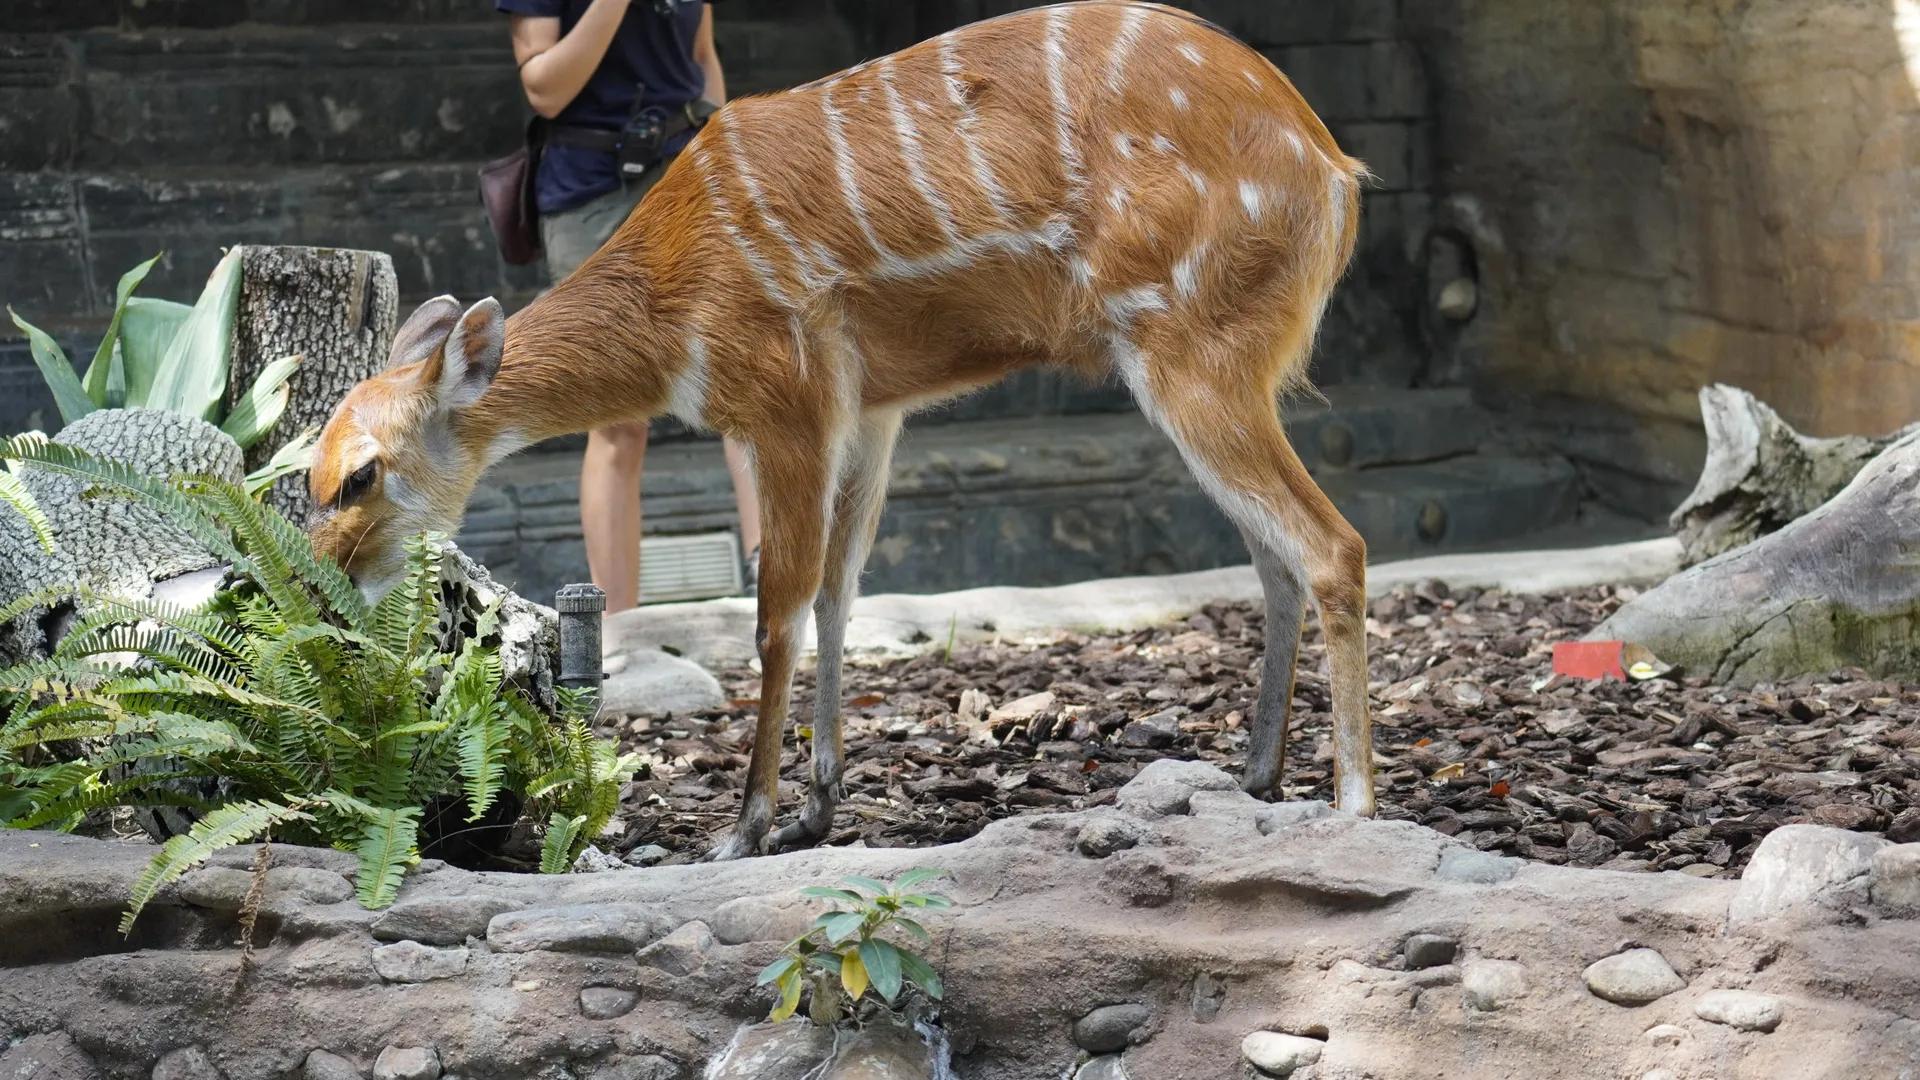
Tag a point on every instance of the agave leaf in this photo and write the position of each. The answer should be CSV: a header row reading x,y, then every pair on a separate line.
x,y
260,407
147,327
193,373
68,395
101,374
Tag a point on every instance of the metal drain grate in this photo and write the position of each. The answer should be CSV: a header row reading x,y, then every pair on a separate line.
x,y
693,566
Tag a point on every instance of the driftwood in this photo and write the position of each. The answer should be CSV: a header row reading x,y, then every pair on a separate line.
x,y
1837,588
1760,474
334,307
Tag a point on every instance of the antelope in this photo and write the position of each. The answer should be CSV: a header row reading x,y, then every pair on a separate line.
x,y
1109,187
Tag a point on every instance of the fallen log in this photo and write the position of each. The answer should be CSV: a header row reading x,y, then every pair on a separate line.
x,y
1839,587
1761,474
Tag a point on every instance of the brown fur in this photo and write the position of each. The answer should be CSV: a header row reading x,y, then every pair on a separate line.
x,y
796,355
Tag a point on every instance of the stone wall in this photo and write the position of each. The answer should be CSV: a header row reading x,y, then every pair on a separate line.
x,y
1662,194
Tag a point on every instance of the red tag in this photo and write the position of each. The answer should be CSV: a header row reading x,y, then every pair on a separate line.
x,y
1589,660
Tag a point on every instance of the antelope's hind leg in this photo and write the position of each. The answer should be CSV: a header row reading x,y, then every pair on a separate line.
x,y
1286,599
856,514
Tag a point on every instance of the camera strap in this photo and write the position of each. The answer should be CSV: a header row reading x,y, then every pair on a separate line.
x,y
692,115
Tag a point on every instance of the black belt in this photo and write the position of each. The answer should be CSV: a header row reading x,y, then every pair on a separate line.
x,y
691,115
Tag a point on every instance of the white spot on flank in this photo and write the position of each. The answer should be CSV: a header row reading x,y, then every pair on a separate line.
x,y
1193,54
1178,97
1164,145
1123,43
1117,199
1193,177
1293,140
1186,272
1070,163
969,120
1252,79
911,153
1123,307
1123,145
1082,271
1252,198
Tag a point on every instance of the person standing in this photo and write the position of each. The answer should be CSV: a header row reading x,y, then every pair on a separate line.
x,y
596,69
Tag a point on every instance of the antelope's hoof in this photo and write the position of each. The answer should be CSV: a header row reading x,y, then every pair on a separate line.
x,y
737,845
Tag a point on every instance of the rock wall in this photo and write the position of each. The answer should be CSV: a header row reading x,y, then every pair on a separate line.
x,y
1664,194
1186,932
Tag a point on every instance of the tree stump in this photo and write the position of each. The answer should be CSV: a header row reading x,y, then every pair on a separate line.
x,y
333,306
1760,474
1837,588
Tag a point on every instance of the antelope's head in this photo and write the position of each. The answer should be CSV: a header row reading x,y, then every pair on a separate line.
x,y
403,451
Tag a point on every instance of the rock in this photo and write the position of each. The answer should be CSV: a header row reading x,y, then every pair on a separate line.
x,y
186,1063
682,952
1208,995
1429,951
1466,865
1110,1027
1896,879
573,928
1104,1067
650,682
802,1051
47,1057
1740,1009
1021,709
1166,786
407,1063
1153,732
1286,815
439,920
593,861
527,635
1800,868
645,1067
1107,834
1276,1054
1488,985
412,962
1667,1036
754,918
223,889
1634,977
1658,1074
322,1065
606,1002
647,855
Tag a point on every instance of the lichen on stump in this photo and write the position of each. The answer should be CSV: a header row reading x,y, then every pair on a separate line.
x,y
335,307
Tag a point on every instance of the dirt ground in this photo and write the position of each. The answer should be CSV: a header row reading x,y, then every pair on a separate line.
x,y
1474,738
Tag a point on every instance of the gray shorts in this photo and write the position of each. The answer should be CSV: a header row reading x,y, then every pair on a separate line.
x,y
571,235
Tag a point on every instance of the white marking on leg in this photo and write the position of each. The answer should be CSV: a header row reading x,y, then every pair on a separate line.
x,y
1070,161
813,275
1178,97
1193,54
1186,272
911,153
965,129
687,391
1130,22
762,269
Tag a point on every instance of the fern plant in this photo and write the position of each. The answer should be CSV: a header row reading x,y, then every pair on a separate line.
x,y
843,954
318,717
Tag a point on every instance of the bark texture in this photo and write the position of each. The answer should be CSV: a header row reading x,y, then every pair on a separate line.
x,y
1761,474
334,306
1839,587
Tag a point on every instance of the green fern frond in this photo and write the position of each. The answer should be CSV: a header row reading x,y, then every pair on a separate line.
x,y
234,823
386,848
149,787
15,494
406,617
557,851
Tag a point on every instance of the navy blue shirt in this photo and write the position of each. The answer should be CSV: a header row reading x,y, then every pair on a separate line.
x,y
650,58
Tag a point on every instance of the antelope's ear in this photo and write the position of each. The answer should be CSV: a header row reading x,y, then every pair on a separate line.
x,y
470,357
423,331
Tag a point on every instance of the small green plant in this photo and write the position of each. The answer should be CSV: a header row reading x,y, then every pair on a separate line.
x,y
158,354
843,954
318,717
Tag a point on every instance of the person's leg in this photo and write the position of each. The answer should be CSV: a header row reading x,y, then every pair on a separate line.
x,y
610,510
747,497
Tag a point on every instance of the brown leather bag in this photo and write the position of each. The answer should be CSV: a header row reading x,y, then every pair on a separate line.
x,y
506,190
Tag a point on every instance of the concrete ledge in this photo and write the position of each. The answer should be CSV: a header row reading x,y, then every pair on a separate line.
x,y
720,632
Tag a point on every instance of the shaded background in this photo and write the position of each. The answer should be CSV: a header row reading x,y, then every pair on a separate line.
x,y
1649,195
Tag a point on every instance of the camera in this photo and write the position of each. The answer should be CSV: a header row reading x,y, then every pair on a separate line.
x,y
640,140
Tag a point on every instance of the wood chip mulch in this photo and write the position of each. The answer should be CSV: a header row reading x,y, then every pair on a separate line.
x,y
1474,738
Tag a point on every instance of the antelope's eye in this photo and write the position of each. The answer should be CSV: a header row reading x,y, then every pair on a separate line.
x,y
357,484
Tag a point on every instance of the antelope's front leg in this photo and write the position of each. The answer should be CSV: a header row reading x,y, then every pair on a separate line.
x,y
793,481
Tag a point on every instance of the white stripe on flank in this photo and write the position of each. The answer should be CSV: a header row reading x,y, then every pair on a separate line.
x,y
1070,162
849,179
1123,43
757,262
1186,272
1054,236
812,275
1193,54
957,91
910,151
1123,307
1252,79
687,391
